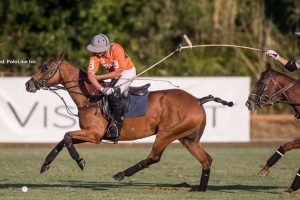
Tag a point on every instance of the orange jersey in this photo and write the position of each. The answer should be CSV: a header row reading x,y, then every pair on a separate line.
x,y
114,59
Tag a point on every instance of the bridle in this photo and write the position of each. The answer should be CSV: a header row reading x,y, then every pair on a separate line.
x,y
260,99
41,83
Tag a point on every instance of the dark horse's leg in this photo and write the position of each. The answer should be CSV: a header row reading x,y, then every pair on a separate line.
x,y
279,154
154,157
204,158
69,140
69,143
51,156
295,185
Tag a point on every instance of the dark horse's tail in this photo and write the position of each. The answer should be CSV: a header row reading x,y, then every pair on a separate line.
x,y
209,98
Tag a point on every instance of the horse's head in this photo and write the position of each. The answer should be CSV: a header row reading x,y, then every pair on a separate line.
x,y
263,91
46,76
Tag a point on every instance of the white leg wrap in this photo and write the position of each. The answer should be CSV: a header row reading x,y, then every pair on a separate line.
x,y
279,153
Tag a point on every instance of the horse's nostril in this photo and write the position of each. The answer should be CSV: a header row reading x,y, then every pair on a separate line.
x,y
30,87
27,85
247,103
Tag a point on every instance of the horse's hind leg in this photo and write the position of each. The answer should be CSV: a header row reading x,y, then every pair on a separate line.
x,y
204,158
154,157
279,154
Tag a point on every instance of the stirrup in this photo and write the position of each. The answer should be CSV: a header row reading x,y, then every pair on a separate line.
x,y
115,137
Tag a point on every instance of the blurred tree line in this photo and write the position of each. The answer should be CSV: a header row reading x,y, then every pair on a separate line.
x,y
149,30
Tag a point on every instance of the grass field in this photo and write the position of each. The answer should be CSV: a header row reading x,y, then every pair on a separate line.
x,y
233,175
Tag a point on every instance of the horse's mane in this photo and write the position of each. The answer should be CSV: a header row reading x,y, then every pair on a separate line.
x,y
83,75
286,75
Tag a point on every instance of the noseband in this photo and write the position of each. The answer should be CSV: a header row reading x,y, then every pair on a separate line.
x,y
261,99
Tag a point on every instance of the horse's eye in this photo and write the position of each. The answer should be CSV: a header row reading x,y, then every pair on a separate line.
x,y
44,68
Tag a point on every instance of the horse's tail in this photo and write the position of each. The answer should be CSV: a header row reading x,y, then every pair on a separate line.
x,y
209,98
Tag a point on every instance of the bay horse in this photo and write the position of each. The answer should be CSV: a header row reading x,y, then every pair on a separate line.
x,y
276,87
172,115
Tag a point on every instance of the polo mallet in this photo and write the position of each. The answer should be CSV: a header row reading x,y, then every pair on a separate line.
x,y
190,46
224,45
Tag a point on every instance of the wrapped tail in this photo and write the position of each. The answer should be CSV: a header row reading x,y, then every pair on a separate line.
x,y
209,98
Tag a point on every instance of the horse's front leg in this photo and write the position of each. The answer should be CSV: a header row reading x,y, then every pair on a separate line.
x,y
295,185
51,156
71,138
271,161
279,154
75,137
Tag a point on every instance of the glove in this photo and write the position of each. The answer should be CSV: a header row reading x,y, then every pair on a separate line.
x,y
107,90
272,54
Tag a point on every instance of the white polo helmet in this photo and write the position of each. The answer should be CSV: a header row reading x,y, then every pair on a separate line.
x,y
100,43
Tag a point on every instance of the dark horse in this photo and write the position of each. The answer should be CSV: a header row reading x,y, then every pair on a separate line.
x,y
275,87
172,115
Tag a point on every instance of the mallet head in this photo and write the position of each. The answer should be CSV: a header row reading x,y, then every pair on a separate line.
x,y
187,41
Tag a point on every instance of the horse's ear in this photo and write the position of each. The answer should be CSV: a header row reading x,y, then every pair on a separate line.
x,y
60,56
268,66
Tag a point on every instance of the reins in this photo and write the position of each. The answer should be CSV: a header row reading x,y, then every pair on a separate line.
x,y
42,83
85,105
69,111
273,99
282,91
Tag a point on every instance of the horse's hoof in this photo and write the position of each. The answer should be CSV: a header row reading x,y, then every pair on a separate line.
x,y
288,191
263,172
45,167
119,176
81,163
197,189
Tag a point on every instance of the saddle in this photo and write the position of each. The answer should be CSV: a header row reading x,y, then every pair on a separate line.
x,y
140,91
136,91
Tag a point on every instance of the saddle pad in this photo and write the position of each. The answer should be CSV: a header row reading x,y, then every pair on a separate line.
x,y
137,106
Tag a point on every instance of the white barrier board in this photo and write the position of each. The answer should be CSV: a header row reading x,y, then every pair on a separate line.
x,y
42,117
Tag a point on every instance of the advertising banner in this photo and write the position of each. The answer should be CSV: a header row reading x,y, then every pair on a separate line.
x,y
41,117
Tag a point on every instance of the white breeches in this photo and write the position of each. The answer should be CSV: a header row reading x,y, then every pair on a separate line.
x,y
124,79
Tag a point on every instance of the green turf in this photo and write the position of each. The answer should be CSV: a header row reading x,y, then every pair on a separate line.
x,y
233,175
